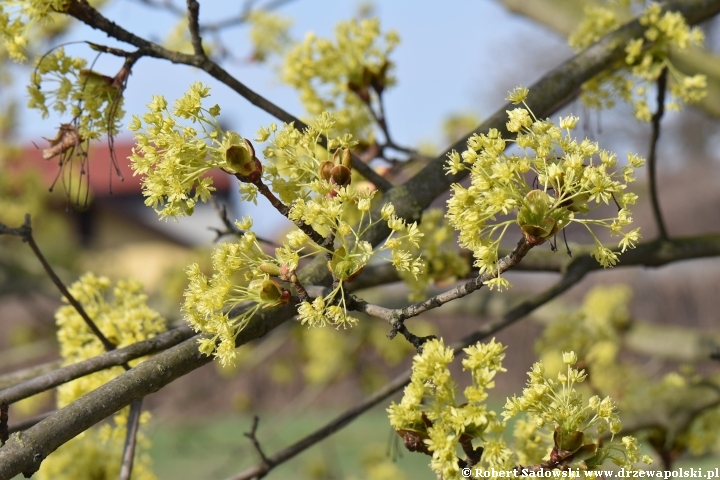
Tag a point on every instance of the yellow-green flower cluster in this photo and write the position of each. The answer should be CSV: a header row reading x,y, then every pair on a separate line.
x,y
16,18
221,305
566,176
94,455
124,318
338,76
597,332
268,33
438,250
645,59
429,411
63,84
174,157
318,187
557,406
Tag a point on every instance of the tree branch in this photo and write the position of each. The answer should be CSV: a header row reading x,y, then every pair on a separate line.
x,y
397,316
115,358
25,451
652,155
19,376
547,95
25,233
29,422
256,443
193,8
133,422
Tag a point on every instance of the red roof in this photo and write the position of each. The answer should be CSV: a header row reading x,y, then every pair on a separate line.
x,y
100,168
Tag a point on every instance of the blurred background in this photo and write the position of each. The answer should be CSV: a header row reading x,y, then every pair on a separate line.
x,y
454,66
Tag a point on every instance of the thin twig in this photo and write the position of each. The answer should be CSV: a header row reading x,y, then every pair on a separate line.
x,y
25,233
242,18
18,376
252,435
335,425
230,228
396,317
652,156
193,8
133,423
284,210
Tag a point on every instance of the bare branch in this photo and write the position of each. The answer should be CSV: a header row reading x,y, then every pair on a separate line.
x,y
337,424
652,156
243,17
397,316
29,422
230,228
256,443
114,358
133,423
193,8
19,376
25,233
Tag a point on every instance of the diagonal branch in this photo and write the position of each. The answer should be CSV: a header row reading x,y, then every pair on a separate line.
x,y
25,233
334,426
547,95
115,358
397,316
25,451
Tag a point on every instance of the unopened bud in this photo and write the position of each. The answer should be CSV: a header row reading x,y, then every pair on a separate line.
x,y
251,171
340,175
324,170
271,269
